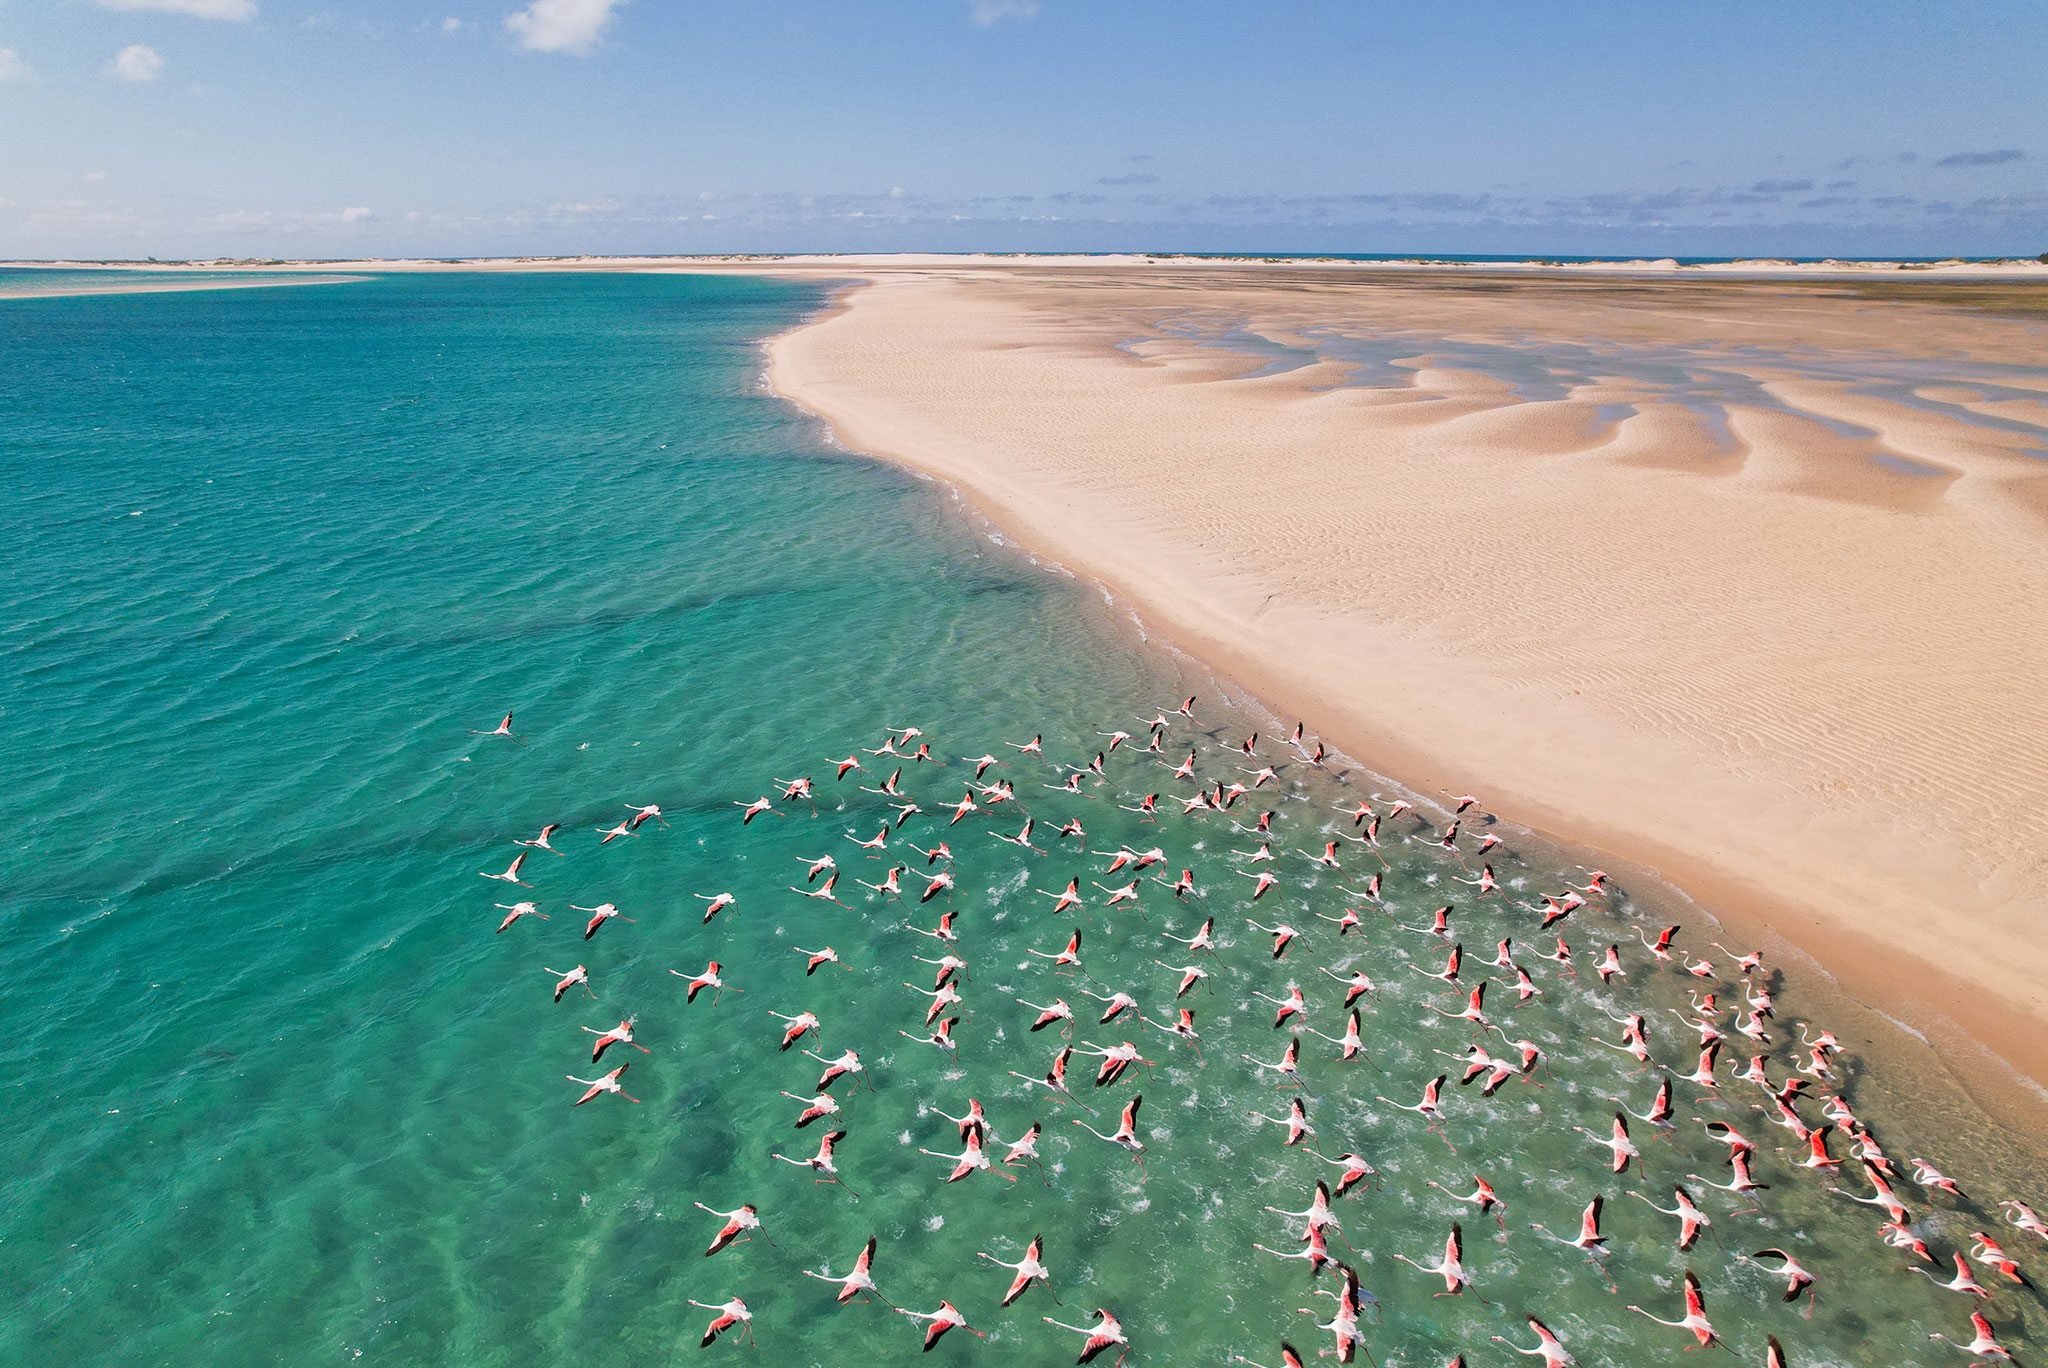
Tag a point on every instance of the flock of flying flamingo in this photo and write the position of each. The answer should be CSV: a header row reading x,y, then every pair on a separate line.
x,y
1732,998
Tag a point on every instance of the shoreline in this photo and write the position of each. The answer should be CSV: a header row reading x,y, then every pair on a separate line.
x,y
1992,1045
1953,268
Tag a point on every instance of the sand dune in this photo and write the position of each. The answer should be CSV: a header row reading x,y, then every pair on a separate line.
x,y
1768,661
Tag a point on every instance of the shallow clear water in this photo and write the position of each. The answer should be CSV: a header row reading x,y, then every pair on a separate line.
x,y
276,1093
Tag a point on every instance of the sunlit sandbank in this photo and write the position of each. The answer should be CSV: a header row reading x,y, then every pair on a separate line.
x,y
1780,642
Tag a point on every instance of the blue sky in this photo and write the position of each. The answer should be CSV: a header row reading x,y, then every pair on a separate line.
x,y
386,127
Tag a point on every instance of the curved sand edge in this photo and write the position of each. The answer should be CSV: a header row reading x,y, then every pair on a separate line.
x,y
1881,914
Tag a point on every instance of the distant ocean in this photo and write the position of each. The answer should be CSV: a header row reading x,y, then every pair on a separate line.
x,y
276,1094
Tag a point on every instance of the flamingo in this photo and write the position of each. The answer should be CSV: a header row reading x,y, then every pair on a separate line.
x,y
1104,1333
1695,1318
1115,1059
1282,934
1355,985
1029,1269
621,1034
608,1084
577,977
796,1027
1482,1196
1451,1268
1056,1077
515,911
1427,1108
814,958
2024,1217
836,1069
1744,1185
1318,1215
1024,1149
1691,1220
511,874
599,915
503,729
1797,1279
1619,1146
730,1313
1057,1011
823,893
754,809
745,1218
1343,1325
1589,1241
1990,1255
540,842
1126,1132
1985,1342
708,979
1549,1347
824,1104
859,1281
941,1320
888,887
1356,1169
1351,1045
1070,956
942,1037
1190,975
1289,1066
821,1162
1296,1122
1291,1005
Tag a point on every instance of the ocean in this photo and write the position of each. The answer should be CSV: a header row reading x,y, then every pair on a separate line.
x,y
278,1092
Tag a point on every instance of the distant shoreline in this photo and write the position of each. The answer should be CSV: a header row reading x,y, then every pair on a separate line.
x,y
75,289
1951,267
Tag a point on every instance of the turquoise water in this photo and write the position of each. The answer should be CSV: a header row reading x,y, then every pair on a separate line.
x,y
277,1094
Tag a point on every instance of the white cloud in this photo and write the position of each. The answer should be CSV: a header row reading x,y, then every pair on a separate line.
x,y
135,63
356,215
571,26
987,12
197,9
95,176
12,67
450,24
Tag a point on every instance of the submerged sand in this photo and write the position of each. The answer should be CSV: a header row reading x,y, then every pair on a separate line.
x,y
1807,687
